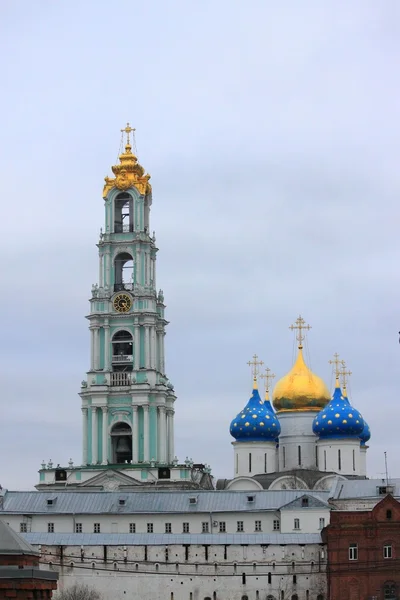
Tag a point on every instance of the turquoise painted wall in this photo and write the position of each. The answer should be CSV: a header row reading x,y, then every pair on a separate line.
x,y
153,432
99,436
101,347
89,435
142,272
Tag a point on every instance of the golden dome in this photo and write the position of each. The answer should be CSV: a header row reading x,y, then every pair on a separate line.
x,y
300,389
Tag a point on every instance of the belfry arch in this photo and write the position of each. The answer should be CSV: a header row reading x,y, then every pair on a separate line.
x,y
123,213
123,272
121,443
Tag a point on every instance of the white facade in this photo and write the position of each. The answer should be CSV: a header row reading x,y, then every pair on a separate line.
x,y
252,458
297,442
193,572
340,456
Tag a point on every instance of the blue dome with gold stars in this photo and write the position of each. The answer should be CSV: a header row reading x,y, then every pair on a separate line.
x,y
338,419
256,422
365,434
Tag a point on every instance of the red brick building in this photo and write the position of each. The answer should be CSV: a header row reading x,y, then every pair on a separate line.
x,y
364,553
20,576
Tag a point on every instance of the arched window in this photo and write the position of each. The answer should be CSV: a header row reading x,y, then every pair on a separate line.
x,y
123,213
122,351
121,443
389,590
123,272
389,514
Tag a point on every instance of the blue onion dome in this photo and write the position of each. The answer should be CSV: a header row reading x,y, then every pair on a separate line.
x,y
257,421
365,434
338,419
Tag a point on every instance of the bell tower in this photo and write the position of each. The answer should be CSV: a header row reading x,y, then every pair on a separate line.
x,y
127,400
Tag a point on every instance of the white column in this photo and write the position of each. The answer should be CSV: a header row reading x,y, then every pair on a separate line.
x,y
135,435
154,336
84,436
147,346
136,344
106,347
105,436
163,434
146,437
97,348
91,349
94,435
161,350
171,436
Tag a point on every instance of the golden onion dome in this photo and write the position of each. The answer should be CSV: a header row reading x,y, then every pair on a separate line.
x,y
300,389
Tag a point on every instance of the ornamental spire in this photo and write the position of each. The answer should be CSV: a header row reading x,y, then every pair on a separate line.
x,y
267,376
338,365
128,130
254,364
300,326
343,374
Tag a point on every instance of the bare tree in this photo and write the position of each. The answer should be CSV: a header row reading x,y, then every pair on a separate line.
x,y
78,591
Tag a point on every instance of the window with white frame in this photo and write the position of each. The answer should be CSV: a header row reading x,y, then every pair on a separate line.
x,y
204,527
240,526
353,552
132,527
50,527
150,528
296,524
96,528
168,527
276,525
321,522
257,525
186,528
78,528
222,526
23,527
387,551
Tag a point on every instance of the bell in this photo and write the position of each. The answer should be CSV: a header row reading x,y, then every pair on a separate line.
x,y
123,446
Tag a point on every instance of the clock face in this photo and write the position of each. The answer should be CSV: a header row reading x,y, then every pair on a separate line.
x,y
122,303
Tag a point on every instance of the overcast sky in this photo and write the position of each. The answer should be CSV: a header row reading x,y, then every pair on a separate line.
x,y
271,132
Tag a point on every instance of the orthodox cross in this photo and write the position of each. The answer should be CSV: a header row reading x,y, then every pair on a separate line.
x,y
300,326
338,364
254,364
344,375
128,130
267,377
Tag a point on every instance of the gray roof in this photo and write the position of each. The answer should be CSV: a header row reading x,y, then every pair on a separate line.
x,y
362,488
312,502
98,502
165,539
12,543
309,476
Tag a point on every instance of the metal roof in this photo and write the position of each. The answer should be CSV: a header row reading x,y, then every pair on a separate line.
x,y
12,543
150,502
166,539
362,488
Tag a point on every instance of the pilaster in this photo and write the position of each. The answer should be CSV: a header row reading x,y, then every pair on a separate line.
x,y
105,435
84,436
94,435
146,434
163,434
135,435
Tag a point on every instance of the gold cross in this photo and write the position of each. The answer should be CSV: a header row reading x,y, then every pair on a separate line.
x,y
268,375
300,325
128,130
254,365
338,364
344,374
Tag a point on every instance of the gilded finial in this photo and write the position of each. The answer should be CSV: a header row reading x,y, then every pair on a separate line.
x,y
128,130
343,374
300,326
254,364
267,376
338,365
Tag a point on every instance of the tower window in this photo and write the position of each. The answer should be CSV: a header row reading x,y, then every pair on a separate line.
x,y
284,456
122,351
123,272
299,455
123,220
265,462
339,454
324,460
121,443
249,462
354,460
